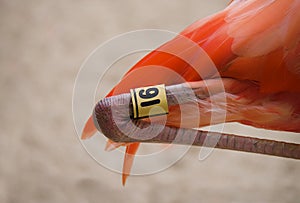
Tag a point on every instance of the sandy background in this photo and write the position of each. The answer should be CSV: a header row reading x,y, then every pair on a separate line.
x,y
43,44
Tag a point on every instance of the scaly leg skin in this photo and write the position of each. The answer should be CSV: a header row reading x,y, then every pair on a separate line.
x,y
242,102
112,116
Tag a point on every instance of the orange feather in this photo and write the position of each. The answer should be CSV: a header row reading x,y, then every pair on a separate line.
x,y
249,40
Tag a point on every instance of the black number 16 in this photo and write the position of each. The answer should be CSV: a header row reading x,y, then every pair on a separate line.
x,y
150,93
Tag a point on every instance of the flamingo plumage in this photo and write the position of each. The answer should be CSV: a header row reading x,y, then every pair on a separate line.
x,y
254,46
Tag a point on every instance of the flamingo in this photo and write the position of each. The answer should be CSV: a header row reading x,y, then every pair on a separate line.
x,y
255,48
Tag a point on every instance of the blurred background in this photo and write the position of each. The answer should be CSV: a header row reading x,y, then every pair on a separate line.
x,y
43,44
